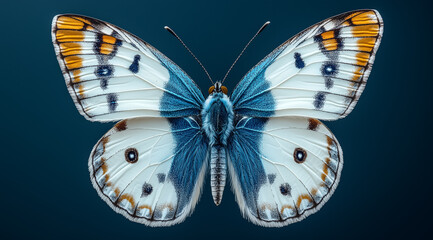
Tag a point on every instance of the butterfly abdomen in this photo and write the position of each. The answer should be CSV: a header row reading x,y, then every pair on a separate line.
x,y
218,169
217,118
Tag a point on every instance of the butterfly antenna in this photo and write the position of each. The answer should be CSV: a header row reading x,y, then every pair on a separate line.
x,y
255,35
180,40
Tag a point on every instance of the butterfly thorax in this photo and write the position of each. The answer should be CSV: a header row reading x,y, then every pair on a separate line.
x,y
217,116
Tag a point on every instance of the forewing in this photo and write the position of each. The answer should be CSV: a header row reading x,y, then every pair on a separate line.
x,y
321,72
151,169
113,75
282,169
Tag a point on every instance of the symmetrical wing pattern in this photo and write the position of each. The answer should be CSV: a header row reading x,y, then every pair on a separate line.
x,y
283,169
283,162
113,75
320,73
150,169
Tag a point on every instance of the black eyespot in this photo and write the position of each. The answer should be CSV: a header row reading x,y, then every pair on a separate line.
x,y
131,155
285,189
299,155
147,189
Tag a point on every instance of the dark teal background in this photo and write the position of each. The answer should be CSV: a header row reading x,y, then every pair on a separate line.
x,y
385,188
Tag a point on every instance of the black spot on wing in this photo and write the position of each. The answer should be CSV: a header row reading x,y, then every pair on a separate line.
x,y
299,62
329,69
329,83
285,189
319,100
104,72
146,190
131,155
112,102
135,66
161,177
271,178
299,155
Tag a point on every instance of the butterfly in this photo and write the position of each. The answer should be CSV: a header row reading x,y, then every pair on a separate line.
x,y
284,164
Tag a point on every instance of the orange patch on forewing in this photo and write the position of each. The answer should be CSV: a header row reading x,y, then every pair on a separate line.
x,y
328,35
65,22
73,62
107,177
366,44
365,31
69,36
106,48
116,191
357,74
362,58
351,15
302,197
83,20
70,48
108,39
365,18
81,91
330,44
128,198
76,75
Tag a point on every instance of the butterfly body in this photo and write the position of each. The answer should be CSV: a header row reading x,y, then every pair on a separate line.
x,y
283,163
217,115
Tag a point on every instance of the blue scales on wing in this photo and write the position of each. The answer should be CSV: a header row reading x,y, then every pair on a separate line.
x,y
151,170
284,163
112,75
320,72
282,169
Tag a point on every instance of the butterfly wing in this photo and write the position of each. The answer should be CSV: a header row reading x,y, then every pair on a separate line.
x,y
284,163
282,169
321,72
113,75
151,170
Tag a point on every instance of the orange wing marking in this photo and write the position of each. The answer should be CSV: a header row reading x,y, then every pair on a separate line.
x,y
128,198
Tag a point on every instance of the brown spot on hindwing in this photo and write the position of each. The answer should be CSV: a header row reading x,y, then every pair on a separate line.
x,y
104,142
313,124
121,126
128,198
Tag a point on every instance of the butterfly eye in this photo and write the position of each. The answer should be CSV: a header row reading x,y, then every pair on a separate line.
x,y
211,89
224,90
131,155
299,155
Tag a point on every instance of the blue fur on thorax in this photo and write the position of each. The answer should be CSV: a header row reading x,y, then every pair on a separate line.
x,y
252,96
217,116
243,147
181,97
190,155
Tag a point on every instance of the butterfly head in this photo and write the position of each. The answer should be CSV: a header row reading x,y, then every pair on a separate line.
x,y
217,88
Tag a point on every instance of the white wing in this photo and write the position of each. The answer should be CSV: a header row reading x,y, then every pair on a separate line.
x,y
320,73
283,169
112,74
150,170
